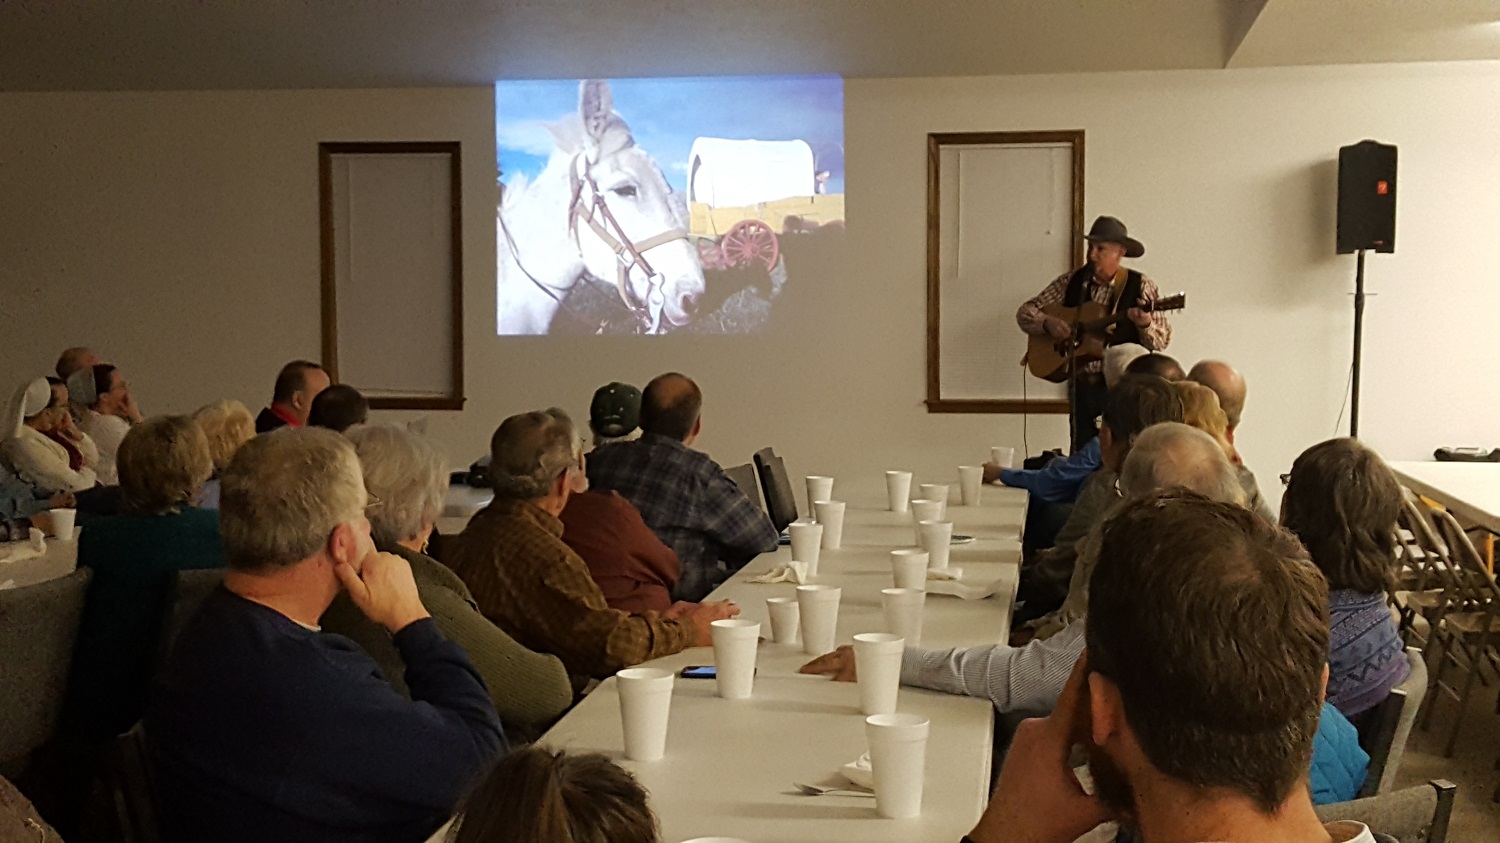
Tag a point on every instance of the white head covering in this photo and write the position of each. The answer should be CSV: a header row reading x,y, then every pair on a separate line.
x,y
81,391
30,399
1118,357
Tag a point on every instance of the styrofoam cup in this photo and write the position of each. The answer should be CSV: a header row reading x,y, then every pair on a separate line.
x,y
645,708
909,568
898,758
818,489
935,537
784,619
1003,457
807,539
970,479
877,667
935,492
925,510
818,608
897,490
735,643
903,613
62,523
831,519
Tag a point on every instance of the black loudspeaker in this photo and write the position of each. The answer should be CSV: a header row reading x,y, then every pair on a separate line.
x,y
1367,198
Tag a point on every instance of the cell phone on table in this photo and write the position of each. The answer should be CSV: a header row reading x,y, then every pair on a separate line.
x,y
700,671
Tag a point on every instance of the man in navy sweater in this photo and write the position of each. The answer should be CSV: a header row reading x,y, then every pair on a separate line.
x,y
265,728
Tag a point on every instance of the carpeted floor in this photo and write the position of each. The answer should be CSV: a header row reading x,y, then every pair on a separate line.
x,y
1476,818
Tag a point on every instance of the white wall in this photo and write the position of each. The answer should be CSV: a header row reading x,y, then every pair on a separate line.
x,y
178,233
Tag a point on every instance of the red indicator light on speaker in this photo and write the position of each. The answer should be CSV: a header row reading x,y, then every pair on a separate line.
x,y
1382,187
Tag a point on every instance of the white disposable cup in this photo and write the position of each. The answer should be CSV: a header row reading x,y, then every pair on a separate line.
x,y
898,756
62,523
1003,457
909,568
970,479
925,510
935,492
903,613
807,538
877,665
831,519
784,619
897,490
935,537
645,708
818,489
818,608
735,643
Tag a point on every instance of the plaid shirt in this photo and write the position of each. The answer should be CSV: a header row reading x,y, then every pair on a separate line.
x,y
690,503
530,584
1155,336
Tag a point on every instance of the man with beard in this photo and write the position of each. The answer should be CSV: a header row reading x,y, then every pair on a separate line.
x,y
1198,695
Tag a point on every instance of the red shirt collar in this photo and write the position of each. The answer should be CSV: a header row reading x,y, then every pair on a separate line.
x,y
285,415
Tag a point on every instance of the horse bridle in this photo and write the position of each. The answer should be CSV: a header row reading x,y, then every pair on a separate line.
x,y
628,255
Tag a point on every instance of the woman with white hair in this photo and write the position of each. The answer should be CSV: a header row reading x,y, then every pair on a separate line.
x,y
407,478
33,413
227,425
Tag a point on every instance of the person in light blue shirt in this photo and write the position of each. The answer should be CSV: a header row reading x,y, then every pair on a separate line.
x,y
19,499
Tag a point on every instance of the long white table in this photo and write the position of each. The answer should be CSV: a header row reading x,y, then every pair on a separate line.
x,y
59,560
1470,490
730,766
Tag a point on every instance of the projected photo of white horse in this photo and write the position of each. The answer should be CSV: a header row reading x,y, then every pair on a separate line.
x,y
654,206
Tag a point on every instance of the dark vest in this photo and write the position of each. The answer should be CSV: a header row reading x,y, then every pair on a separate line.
x,y
1130,297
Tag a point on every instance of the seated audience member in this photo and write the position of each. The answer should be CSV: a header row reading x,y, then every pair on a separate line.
x,y
21,501
297,384
532,585
686,498
1200,409
227,425
37,459
1059,480
263,727
82,453
338,408
615,413
1342,501
1158,364
1228,384
1136,403
633,568
164,461
407,477
543,795
75,358
1183,743
107,410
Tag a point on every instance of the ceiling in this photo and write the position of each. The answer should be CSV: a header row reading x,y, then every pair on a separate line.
x,y
58,45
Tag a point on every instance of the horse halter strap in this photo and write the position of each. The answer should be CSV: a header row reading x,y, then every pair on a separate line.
x,y
628,255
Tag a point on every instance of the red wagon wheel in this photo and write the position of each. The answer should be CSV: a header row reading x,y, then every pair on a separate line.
x,y
710,255
750,242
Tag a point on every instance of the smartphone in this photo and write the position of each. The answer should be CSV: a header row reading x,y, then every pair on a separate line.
x,y
700,671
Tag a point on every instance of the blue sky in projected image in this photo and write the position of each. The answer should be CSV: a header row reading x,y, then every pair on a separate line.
x,y
667,115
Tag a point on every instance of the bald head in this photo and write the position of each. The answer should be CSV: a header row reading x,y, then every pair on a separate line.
x,y
670,406
75,358
1174,456
1227,383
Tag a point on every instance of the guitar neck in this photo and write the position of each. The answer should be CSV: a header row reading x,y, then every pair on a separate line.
x,y
1177,302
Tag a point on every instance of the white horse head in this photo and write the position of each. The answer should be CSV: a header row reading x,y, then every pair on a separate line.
x,y
549,228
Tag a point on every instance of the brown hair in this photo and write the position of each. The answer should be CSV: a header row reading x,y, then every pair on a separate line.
x,y
227,425
1213,624
1135,403
670,406
1200,409
1342,501
548,796
163,463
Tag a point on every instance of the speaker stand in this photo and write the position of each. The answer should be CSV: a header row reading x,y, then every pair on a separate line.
x,y
1359,332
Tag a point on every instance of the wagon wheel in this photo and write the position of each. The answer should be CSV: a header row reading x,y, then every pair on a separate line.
x,y
710,255
750,242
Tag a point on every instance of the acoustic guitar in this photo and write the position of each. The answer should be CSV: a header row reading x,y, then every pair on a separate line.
x,y
1047,358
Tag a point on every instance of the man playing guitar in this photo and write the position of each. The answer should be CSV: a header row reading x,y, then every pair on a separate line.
x,y
1103,281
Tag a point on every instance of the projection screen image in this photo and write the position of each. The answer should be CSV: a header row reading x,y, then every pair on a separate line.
x,y
655,206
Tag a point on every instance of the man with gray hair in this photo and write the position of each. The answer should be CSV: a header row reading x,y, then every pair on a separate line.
x,y
536,588
266,728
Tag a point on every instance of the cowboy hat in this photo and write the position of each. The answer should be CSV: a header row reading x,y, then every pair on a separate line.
x,y
1111,230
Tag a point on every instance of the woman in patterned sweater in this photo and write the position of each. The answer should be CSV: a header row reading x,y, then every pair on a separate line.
x,y
1342,500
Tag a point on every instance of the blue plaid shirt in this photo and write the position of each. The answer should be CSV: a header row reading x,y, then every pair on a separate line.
x,y
691,505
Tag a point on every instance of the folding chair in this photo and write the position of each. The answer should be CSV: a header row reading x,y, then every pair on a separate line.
x,y
1411,815
1468,623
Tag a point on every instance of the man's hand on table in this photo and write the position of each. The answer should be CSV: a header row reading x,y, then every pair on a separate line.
x,y
839,664
704,614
